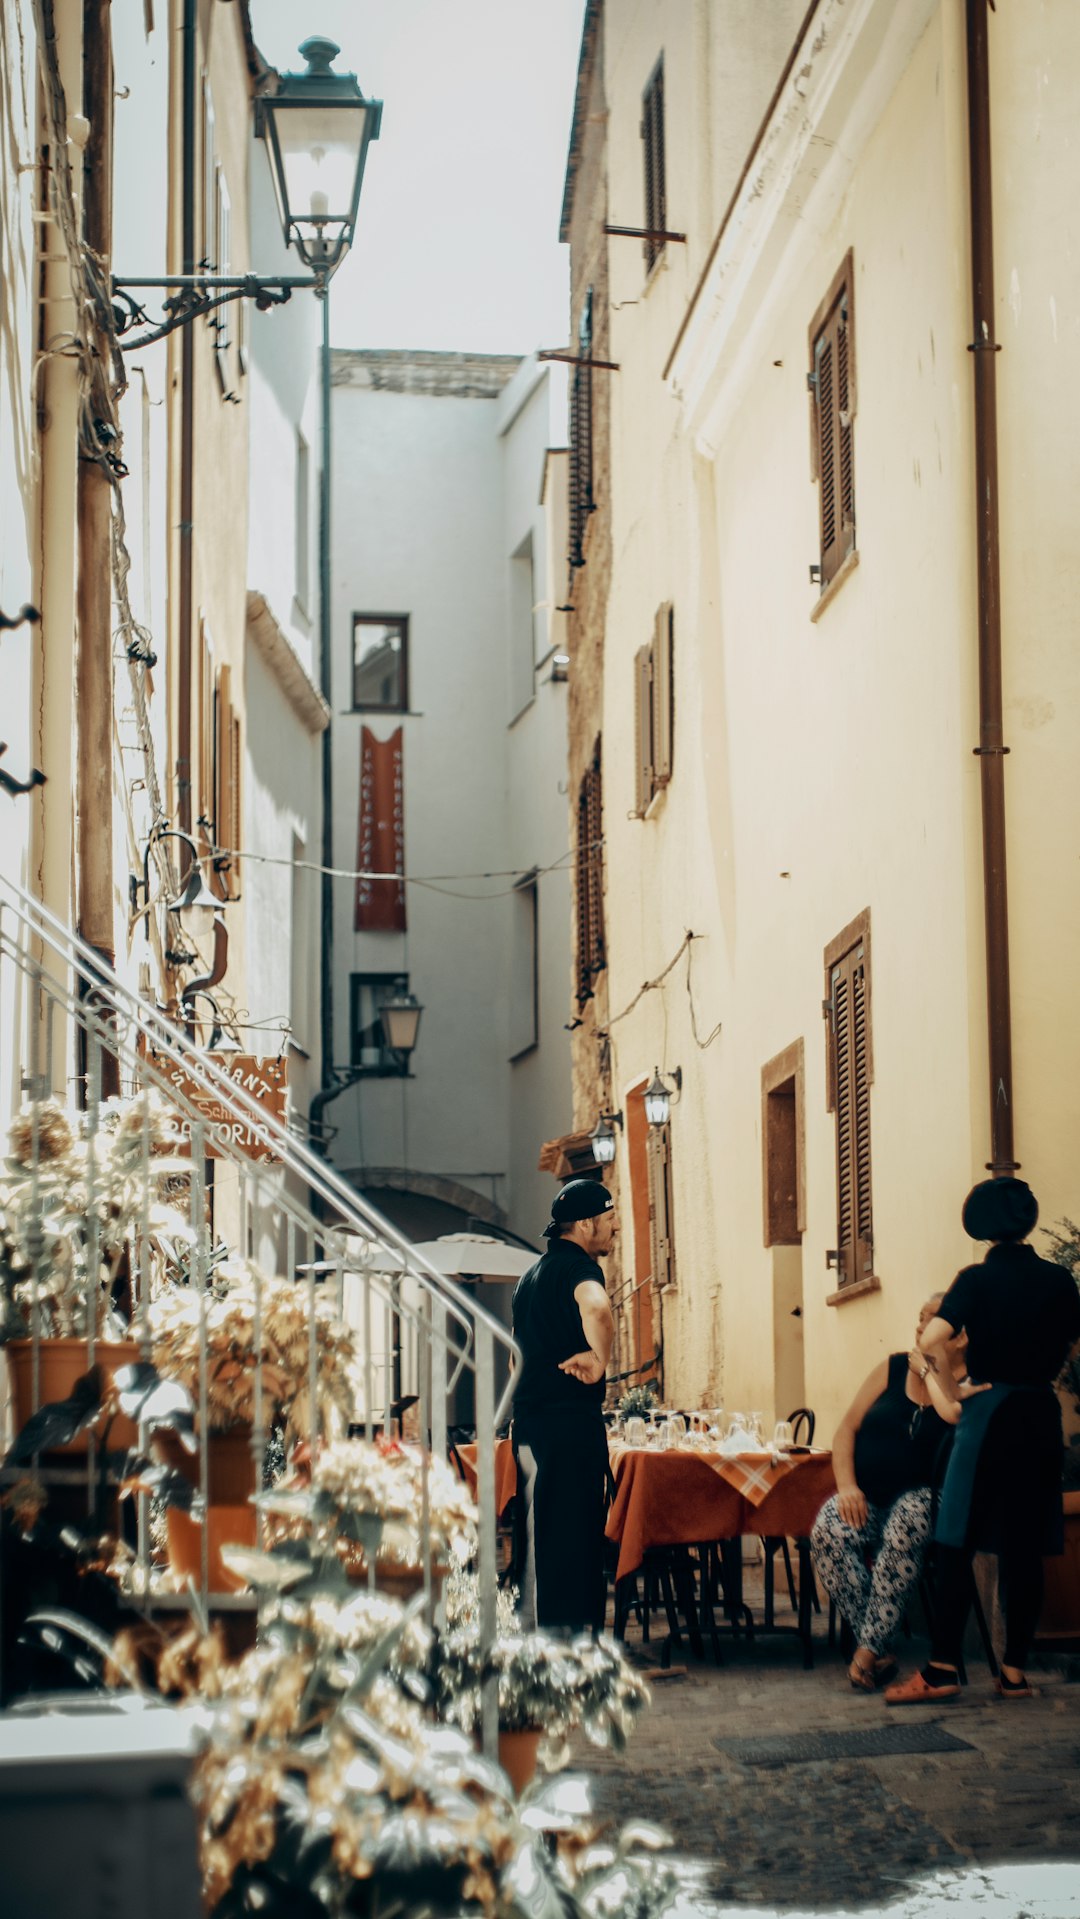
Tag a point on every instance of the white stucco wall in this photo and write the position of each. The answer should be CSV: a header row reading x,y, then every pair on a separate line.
x,y
433,493
825,767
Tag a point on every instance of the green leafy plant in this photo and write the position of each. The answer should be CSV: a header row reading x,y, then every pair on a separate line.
x,y
638,1402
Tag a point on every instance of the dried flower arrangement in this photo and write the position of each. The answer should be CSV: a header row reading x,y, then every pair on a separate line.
x,y
322,1789
368,1495
546,1684
80,1202
240,1296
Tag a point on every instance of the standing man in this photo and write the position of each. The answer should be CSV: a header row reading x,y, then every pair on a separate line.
x,y
564,1327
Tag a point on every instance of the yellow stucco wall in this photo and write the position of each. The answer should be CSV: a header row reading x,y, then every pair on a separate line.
x,y
826,767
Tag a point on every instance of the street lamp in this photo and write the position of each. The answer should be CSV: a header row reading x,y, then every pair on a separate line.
x,y
603,1138
658,1096
400,1016
317,128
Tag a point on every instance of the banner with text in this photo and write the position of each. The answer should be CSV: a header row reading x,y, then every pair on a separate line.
x,y
380,903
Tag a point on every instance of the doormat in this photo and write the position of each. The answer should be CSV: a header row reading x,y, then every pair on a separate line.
x,y
772,1749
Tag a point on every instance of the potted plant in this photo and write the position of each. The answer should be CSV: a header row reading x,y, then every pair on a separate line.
x,y
548,1687
638,1402
74,1214
361,1499
243,1318
324,1790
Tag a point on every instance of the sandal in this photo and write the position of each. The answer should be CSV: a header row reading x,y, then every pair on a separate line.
x,y
861,1678
1012,1688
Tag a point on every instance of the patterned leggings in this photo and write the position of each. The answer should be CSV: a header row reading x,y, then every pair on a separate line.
x,y
871,1598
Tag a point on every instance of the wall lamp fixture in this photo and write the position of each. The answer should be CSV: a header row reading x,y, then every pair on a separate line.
x,y
400,1016
603,1138
658,1096
317,127
195,906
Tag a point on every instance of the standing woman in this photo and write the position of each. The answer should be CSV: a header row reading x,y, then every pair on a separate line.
x,y
1002,1490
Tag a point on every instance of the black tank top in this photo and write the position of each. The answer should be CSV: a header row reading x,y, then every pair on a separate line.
x,y
899,1445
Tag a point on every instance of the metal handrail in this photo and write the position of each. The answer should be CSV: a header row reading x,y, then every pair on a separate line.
x,y
68,975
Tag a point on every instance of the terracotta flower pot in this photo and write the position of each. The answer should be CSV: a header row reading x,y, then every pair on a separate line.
x,y
230,1518
62,1362
517,1755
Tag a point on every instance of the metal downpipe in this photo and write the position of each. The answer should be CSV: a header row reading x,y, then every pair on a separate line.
x,y
991,749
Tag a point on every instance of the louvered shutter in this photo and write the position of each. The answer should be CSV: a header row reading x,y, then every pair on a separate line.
x,y
663,696
589,877
228,773
661,1237
581,437
644,785
849,1038
652,137
207,793
834,438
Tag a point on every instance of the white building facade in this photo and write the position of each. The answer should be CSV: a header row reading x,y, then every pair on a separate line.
x,y
447,645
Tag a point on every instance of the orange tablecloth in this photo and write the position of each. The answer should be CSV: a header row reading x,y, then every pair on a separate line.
x,y
683,1498
505,1472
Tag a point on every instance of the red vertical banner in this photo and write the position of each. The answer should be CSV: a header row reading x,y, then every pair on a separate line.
x,y
380,903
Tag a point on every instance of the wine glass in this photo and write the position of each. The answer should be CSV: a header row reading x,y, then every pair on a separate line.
x,y
782,1438
634,1431
676,1429
757,1430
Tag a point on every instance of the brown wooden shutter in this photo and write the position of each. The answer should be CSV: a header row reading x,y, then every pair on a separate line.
x,y
644,784
662,696
849,1045
590,887
833,442
652,138
661,1220
581,437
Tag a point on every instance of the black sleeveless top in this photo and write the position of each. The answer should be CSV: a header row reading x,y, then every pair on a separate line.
x,y
899,1445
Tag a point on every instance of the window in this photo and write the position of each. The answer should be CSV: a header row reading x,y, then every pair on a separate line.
x,y
832,415
652,146
522,634
581,437
368,994
850,1071
783,1134
590,880
661,1206
303,522
380,662
524,976
654,707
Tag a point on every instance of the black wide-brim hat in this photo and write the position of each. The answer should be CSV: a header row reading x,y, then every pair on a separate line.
x,y
1004,1208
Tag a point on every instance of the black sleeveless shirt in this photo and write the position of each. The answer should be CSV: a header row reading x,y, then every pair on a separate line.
x,y
899,1445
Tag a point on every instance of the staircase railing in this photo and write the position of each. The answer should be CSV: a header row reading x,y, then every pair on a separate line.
x,y
416,1329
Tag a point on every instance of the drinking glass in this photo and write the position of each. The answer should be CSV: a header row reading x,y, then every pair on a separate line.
x,y
781,1438
634,1431
757,1430
676,1426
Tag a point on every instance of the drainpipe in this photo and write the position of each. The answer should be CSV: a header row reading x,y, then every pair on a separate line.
x,y
185,595
991,749
326,916
53,582
93,658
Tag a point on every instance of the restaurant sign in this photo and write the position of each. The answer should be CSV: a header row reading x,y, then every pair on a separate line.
x,y
264,1080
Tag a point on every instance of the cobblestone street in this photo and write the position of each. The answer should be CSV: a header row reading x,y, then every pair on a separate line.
x,y
917,1831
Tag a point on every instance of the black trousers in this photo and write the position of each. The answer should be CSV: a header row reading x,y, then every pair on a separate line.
x,y
562,1474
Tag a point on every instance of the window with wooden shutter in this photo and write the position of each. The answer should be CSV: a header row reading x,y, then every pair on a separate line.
x,y
206,794
832,389
850,1064
653,711
652,146
581,437
661,1206
589,881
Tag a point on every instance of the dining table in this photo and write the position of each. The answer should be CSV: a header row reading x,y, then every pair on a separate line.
x,y
505,1472
707,1500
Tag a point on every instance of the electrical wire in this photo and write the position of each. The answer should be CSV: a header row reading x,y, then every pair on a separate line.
x,y
650,985
435,882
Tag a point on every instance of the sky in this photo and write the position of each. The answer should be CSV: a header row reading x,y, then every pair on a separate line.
x,y
457,243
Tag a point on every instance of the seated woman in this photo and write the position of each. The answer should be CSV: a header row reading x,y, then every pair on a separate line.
x,y
887,1456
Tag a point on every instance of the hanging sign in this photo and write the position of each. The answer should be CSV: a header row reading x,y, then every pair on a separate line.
x,y
380,848
265,1080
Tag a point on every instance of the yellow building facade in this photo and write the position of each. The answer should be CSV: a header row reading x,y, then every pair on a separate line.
x,y
790,775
